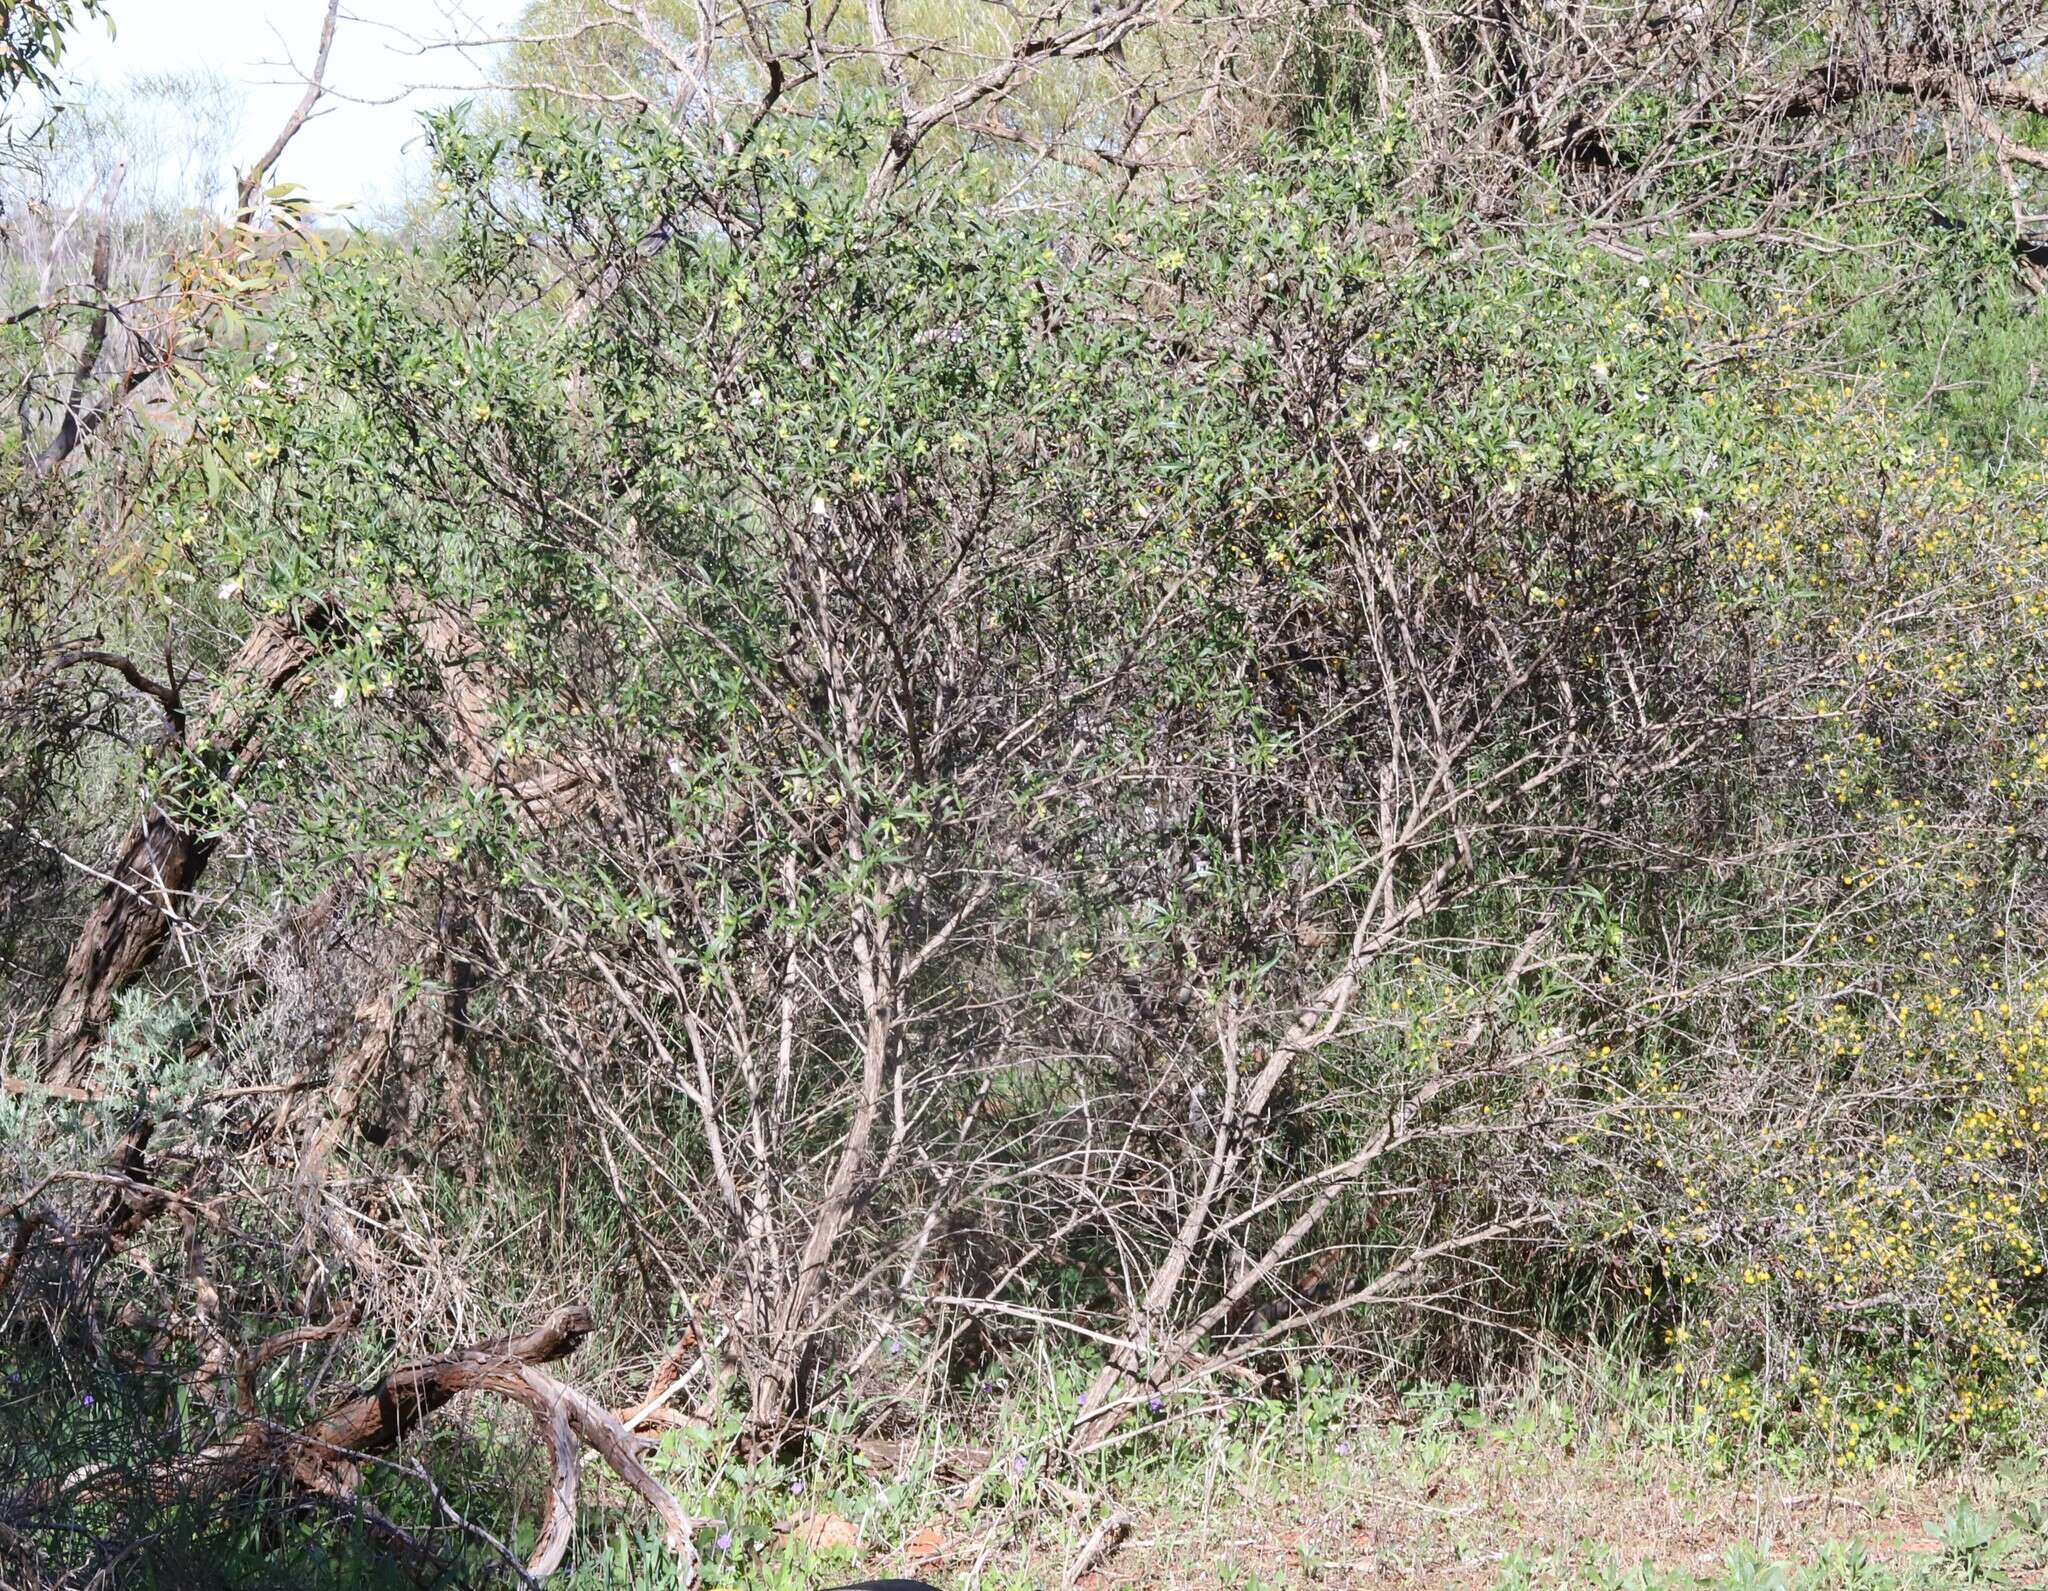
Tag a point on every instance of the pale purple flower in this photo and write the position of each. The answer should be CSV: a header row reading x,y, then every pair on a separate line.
x,y
1343,1448
724,1541
796,1488
1156,1405
86,1400
1019,1464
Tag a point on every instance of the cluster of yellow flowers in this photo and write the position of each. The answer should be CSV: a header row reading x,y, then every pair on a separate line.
x,y
1859,1244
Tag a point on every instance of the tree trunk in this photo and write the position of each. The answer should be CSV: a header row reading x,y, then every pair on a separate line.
x,y
164,854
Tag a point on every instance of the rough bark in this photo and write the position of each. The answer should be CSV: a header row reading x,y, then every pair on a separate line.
x,y
160,861
378,1419
325,1459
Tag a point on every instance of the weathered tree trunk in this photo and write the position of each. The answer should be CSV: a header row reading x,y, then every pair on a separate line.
x,y
127,927
380,1418
167,850
324,1458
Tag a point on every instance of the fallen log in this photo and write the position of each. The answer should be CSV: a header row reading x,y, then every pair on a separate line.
x,y
324,1461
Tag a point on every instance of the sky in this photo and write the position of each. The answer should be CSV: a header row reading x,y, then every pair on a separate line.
x,y
354,152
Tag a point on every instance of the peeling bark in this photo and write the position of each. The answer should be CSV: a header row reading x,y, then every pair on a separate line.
x,y
147,889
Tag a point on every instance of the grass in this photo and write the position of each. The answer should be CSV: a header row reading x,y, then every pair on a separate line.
x,y
1572,1481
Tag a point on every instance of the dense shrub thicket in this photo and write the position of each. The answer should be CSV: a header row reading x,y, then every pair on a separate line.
x,y
868,780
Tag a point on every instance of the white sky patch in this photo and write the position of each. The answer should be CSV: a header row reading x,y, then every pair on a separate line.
x,y
359,150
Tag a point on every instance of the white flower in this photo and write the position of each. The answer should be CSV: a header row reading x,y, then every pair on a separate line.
x,y
820,507
230,589
1372,442
341,694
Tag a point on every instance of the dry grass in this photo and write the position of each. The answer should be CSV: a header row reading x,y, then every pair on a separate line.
x,y
1533,1496
1495,1511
